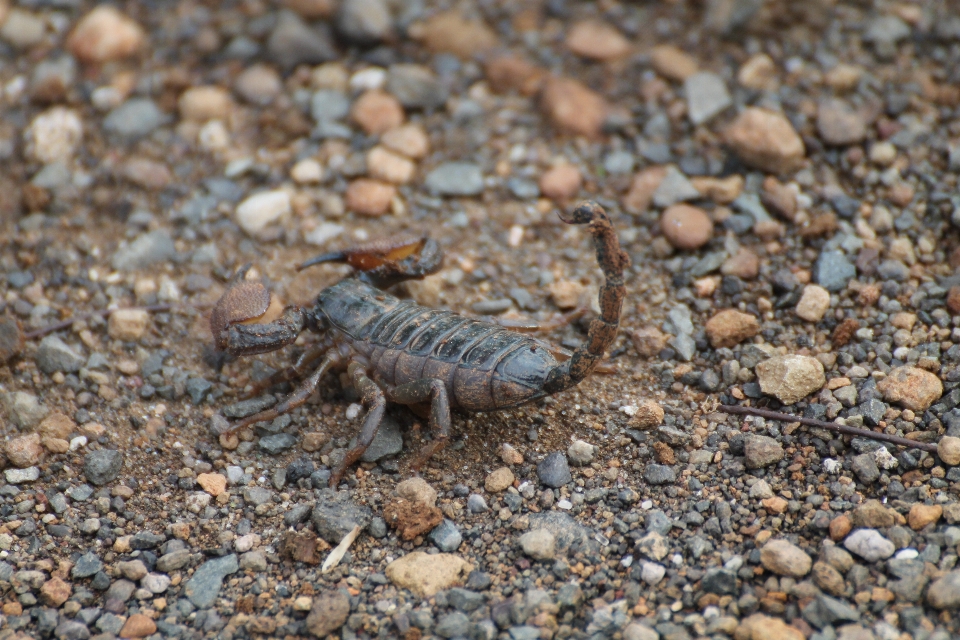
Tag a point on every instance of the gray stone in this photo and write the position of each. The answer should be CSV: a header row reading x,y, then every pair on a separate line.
x,y
893,270
638,631
329,105
581,453
833,270
554,471
524,190
87,565
524,632
727,17
277,443
197,389
80,493
944,593
148,249
453,625
619,162
294,42
55,355
121,590
565,529
336,515
71,630
464,599
102,466
416,87
720,581
329,612
446,536
539,544
257,495
869,544
824,611
203,587
653,545
146,540
569,596
255,561
707,96
911,581
174,560
476,503
884,32
110,623
652,573
24,409
865,466
297,514
761,451
455,179
134,118
674,188
249,407
364,22
387,442
20,476
658,522
685,346
657,474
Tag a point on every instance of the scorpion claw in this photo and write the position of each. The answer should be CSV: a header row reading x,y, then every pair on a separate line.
x,y
244,320
243,301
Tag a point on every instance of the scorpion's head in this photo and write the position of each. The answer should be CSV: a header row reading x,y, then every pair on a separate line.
x,y
246,301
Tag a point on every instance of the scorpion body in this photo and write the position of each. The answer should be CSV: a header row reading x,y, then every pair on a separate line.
x,y
430,359
482,366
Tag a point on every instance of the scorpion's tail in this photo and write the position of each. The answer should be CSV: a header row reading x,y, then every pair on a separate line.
x,y
603,330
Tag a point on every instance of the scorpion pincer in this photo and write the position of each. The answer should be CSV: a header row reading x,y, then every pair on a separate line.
x,y
393,349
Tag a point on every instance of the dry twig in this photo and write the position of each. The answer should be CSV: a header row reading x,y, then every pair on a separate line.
x,y
832,426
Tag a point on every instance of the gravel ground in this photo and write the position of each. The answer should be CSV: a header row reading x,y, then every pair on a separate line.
x,y
782,174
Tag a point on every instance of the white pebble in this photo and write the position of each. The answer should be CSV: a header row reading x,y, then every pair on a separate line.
x,y
247,542
885,459
368,79
259,210
214,136
516,236
307,171
323,233
831,466
54,135
564,504
652,573
78,443
353,411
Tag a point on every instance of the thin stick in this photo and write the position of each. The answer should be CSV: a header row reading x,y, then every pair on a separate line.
x,y
832,426
103,313
337,554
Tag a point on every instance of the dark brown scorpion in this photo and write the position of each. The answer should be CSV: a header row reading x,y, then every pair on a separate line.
x,y
397,350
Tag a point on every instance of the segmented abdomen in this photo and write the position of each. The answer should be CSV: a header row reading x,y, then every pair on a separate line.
x,y
484,367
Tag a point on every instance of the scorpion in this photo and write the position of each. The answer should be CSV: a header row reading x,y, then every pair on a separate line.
x,y
431,360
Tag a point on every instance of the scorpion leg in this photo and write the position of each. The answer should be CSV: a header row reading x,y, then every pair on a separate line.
x,y
294,371
300,395
603,330
434,391
372,396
